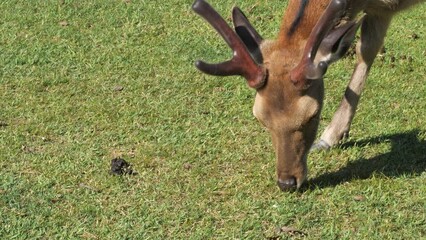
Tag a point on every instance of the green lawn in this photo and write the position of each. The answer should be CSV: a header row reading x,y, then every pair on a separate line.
x,y
83,82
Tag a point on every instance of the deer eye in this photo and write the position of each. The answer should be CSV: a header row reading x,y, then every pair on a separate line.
x,y
314,117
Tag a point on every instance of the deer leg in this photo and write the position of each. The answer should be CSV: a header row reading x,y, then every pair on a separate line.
x,y
373,31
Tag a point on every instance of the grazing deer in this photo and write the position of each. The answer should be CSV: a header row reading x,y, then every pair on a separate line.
x,y
287,73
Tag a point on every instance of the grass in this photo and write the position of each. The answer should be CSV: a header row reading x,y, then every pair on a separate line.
x,y
83,82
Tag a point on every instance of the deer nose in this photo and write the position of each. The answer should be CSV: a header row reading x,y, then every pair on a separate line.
x,y
288,184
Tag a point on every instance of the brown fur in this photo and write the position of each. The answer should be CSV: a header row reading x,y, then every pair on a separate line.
x,y
310,17
291,114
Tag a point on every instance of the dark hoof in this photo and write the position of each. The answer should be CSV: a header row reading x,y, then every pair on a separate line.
x,y
321,145
288,184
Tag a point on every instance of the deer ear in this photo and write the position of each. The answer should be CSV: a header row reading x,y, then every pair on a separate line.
x,y
337,42
247,34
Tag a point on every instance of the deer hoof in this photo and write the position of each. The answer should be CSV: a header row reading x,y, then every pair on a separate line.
x,y
321,145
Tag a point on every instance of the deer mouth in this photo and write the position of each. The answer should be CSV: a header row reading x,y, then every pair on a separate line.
x,y
290,183
287,185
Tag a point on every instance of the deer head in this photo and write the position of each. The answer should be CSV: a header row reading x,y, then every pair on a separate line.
x,y
287,74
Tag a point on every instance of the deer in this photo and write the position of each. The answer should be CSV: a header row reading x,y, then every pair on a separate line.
x,y
287,72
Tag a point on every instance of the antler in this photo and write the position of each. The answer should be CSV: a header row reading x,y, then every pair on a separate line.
x,y
241,63
306,70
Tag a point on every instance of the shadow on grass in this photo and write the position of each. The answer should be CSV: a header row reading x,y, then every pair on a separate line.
x,y
406,157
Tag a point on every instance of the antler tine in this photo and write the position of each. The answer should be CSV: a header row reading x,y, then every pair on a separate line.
x,y
306,70
241,63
